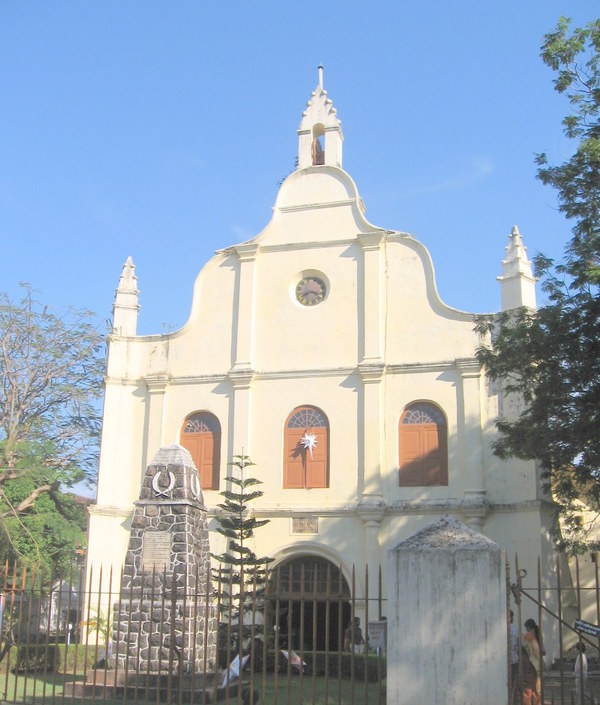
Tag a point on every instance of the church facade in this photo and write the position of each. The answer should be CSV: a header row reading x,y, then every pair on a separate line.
x,y
321,349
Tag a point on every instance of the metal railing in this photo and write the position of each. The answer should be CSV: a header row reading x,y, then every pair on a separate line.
x,y
293,633
559,606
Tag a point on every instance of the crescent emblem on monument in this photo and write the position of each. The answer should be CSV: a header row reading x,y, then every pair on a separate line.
x,y
195,486
156,487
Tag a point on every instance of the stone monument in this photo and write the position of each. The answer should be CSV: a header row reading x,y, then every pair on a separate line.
x,y
165,618
447,626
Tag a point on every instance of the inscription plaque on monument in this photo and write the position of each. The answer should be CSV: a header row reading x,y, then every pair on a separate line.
x,y
305,525
156,549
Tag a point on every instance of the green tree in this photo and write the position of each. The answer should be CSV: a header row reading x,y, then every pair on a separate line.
x,y
550,358
51,369
241,572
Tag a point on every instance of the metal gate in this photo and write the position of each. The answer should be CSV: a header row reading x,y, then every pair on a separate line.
x,y
558,607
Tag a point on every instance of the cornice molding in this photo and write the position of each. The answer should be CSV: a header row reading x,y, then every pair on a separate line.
x,y
315,206
246,251
364,367
156,383
391,509
241,377
371,370
110,511
468,367
371,241
386,510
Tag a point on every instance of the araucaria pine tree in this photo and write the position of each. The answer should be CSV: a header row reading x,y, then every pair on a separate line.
x,y
241,573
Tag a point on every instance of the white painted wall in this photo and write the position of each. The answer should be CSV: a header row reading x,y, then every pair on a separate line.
x,y
447,640
250,353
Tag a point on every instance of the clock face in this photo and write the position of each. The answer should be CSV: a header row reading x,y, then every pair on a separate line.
x,y
310,291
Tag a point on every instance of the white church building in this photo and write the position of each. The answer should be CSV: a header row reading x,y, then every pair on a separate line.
x,y
321,349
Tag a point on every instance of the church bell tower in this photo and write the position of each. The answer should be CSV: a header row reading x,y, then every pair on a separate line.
x,y
320,133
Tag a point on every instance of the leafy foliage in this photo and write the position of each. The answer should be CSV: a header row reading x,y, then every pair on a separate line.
x,y
242,573
51,369
551,357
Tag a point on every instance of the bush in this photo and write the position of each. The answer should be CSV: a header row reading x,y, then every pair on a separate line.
x,y
36,658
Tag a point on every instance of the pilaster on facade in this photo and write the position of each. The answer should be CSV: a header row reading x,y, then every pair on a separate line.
x,y
371,370
371,241
471,442
156,386
468,367
241,380
247,251
475,508
241,377
372,294
371,513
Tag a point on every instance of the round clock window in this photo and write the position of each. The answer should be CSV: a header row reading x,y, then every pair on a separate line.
x,y
310,291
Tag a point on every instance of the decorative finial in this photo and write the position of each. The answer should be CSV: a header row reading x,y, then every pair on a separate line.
x,y
126,307
321,76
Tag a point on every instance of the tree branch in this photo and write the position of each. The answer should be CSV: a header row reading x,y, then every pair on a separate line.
x,y
29,501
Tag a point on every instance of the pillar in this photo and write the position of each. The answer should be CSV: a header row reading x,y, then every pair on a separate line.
x,y
474,504
447,638
156,385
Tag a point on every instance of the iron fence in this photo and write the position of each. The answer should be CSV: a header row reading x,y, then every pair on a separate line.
x,y
567,613
286,636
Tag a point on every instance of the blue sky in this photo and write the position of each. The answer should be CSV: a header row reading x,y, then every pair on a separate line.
x,y
161,130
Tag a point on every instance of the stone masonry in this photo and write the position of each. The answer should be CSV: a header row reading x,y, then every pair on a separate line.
x,y
165,618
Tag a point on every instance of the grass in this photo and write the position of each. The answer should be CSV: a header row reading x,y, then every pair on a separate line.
x,y
35,688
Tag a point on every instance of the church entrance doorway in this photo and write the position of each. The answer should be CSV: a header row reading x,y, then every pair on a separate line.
x,y
310,604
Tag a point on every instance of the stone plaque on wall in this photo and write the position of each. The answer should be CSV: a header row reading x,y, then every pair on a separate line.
x,y
156,549
305,525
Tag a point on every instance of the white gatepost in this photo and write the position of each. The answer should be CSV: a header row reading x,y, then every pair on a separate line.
x,y
447,628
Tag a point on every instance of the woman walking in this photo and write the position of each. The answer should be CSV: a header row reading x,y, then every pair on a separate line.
x,y
531,664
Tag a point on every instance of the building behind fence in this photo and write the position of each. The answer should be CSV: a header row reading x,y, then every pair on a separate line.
x,y
289,639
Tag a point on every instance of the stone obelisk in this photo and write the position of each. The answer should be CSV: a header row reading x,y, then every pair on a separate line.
x,y
165,619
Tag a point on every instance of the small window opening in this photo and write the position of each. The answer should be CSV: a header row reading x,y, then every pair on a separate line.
x,y
318,151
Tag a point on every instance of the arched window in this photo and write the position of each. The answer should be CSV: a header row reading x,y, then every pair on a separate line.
x,y
201,435
306,449
423,446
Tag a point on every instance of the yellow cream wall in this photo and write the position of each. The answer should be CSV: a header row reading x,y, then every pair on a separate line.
x,y
250,354
272,402
289,336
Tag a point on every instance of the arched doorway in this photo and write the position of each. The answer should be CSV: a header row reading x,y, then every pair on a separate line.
x,y
309,604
